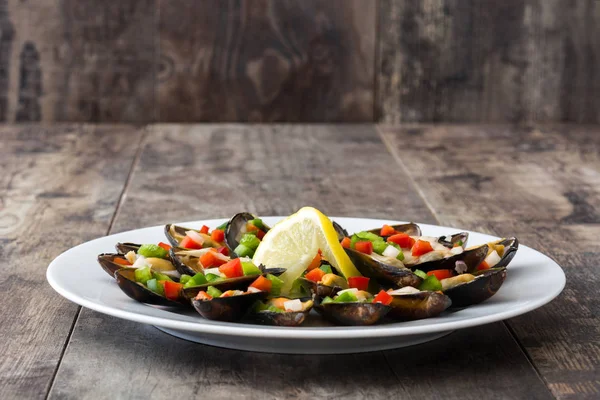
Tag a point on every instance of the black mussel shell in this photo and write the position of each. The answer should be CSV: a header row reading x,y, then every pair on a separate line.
x,y
419,305
178,262
449,242
511,245
229,309
272,271
320,289
353,314
472,257
341,232
368,266
288,318
484,286
108,265
126,280
178,229
411,229
240,283
124,248
233,229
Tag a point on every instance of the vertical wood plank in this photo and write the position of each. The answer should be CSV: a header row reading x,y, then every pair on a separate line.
x,y
59,187
264,60
543,186
489,61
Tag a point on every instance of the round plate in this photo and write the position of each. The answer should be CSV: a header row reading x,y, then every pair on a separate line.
x,y
533,280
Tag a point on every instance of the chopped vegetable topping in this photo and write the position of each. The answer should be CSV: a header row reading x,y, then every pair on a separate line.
x,y
358,282
421,247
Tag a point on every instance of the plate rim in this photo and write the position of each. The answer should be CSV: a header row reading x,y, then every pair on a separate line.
x,y
306,333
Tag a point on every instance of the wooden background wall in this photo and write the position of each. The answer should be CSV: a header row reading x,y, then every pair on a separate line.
x,y
302,60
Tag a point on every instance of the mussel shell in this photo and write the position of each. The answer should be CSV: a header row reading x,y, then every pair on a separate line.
x,y
106,262
126,280
411,229
288,318
484,286
511,245
354,314
124,248
320,289
229,309
341,232
372,268
179,229
450,241
240,283
234,226
472,257
182,267
419,305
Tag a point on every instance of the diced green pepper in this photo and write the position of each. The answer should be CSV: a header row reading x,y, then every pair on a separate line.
x,y
379,246
431,283
212,277
189,284
276,285
161,277
275,309
346,297
156,287
185,279
459,243
326,300
250,269
250,241
199,279
370,236
152,250
243,251
257,222
213,291
298,290
326,268
420,274
223,226
143,275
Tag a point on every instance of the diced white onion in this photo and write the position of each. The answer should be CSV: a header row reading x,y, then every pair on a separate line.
x,y
196,237
214,271
131,257
405,290
391,252
252,289
140,262
492,259
293,305
460,267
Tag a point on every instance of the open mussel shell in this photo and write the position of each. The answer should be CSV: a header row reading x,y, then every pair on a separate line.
x,y
106,261
484,286
288,318
423,304
450,241
411,229
175,234
341,232
353,314
124,248
511,245
368,266
471,257
320,289
236,227
240,283
126,280
229,309
185,264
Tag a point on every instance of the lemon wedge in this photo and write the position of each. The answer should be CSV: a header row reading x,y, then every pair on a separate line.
x,y
294,241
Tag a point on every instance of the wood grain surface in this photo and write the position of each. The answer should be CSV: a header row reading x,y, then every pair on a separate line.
x,y
489,61
542,185
215,171
59,187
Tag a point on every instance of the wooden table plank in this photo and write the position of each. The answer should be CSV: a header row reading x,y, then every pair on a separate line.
x,y
219,170
543,186
59,187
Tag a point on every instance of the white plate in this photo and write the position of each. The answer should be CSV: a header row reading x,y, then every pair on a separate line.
x,y
533,280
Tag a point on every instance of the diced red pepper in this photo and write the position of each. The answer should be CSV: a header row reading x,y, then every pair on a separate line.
x,y
172,289
383,297
260,234
402,240
262,283
315,263
121,261
315,275
202,295
346,242
387,231
223,250
217,235
232,269
188,243
441,273
358,282
209,260
204,229
483,266
421,247
364,247
165,246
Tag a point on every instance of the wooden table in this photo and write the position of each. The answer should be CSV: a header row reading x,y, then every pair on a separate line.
x,y
66,184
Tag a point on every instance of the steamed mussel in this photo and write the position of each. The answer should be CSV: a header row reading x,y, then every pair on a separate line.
x,y
147,286
229,306
282,311
138,256
188,238
243,234
409,303
352,307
